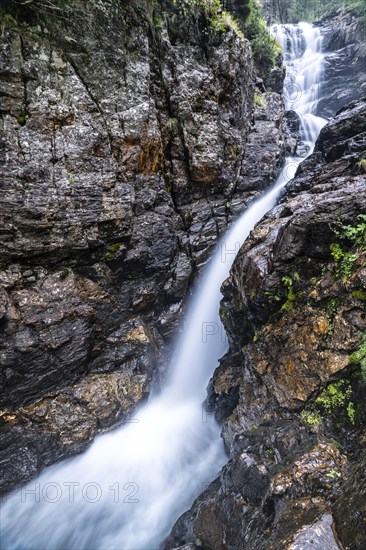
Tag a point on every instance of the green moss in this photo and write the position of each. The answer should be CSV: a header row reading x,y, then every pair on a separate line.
x,y
71,178
312,418
359,295
351,412
358,357
259,100
7,20
158,22
113,251
361,166
21,119
334,396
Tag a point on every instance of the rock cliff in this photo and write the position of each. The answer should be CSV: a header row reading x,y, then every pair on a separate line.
x,y
345,45
129,142
291,390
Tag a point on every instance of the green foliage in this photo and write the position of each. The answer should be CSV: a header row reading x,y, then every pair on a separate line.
x,y
256,335
21,119
361,166
344,261
158,22
224,22
312,418
265,48
292,295
355,235
334,396
114,251
293,11
351,412
333,474
358,357
219,20
359,295
273,297
258,100
71,178
331,307
334,400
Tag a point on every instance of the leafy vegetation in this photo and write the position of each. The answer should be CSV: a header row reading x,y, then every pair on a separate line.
x,y
331,306
259,100
293,11
345,256
71,178
359,356
114,250
344,261
335,400
219,19
312,418
361,166
354,233
266,49
334,396
292,295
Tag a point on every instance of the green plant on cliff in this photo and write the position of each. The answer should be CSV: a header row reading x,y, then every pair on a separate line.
x,y
355,242
265,48
335,400
113,251
354,233
361,166
358,357
292,295
219,20
344,261
334,396
259,100
71,178
312,418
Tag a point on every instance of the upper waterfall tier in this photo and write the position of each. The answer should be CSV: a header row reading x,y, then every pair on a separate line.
x,y
304,59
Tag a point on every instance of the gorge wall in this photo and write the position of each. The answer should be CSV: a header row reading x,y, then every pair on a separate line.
x,y
129,141
291,390
344,70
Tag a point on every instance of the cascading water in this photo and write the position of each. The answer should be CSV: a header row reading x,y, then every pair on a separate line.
x,y
303,58
127,490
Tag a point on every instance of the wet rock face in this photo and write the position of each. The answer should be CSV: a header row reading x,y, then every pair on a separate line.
x,y
129,142
344,44
290,391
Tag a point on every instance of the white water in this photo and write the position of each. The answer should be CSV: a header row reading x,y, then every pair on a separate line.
x,y
303,57
127,490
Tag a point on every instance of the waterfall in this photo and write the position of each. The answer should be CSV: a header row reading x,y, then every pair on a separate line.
x,y
129,487
303,58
